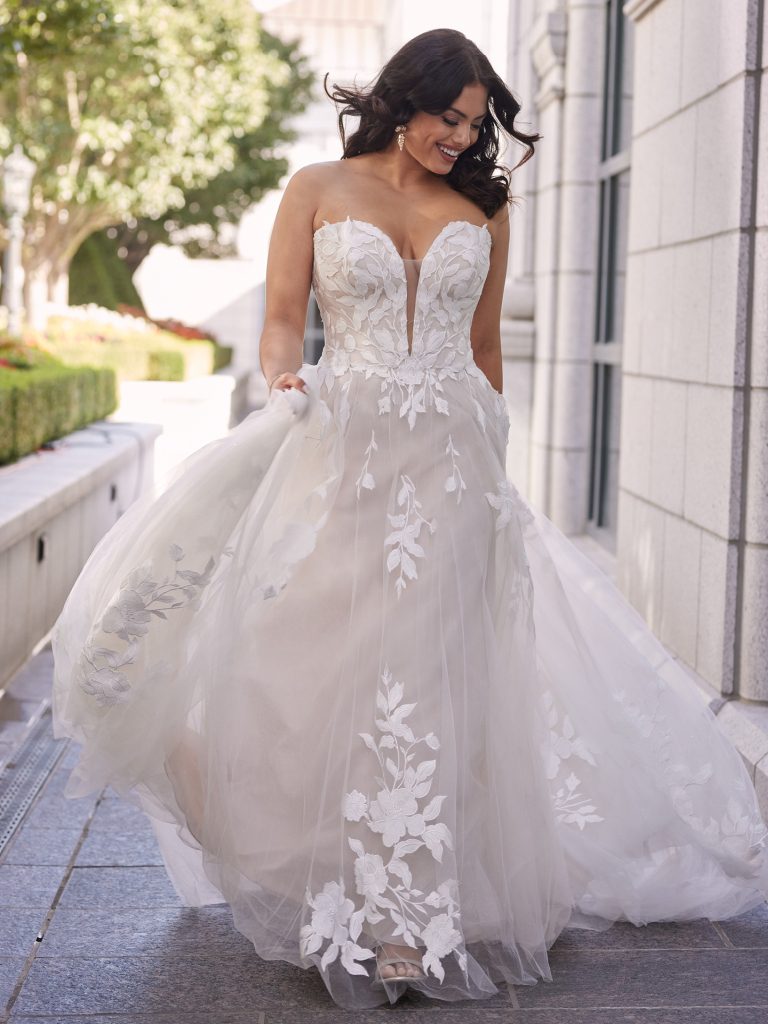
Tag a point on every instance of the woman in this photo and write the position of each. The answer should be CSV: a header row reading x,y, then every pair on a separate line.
x,y
369,696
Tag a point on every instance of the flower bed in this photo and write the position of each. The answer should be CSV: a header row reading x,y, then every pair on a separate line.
x,y
134,347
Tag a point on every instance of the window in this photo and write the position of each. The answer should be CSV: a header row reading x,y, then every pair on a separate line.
x,y
614,175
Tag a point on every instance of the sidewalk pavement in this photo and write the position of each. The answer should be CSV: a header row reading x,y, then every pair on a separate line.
x,y
92,932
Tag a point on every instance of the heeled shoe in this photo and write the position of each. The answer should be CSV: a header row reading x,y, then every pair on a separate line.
x,y
397,983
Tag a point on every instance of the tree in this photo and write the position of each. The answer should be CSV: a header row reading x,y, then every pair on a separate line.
x,y
196,226
127,107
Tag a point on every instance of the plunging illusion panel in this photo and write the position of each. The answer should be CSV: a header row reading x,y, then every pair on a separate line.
x,y
410,266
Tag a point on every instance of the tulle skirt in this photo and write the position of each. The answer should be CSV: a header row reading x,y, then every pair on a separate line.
x,y
368,694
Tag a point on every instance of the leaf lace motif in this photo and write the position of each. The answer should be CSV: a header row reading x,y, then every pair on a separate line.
x,y
141,599
404,537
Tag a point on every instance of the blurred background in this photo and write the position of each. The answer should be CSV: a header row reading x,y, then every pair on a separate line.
x,y
144,149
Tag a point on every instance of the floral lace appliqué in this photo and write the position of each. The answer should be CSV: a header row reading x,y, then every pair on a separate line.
x,y
141,599
403,825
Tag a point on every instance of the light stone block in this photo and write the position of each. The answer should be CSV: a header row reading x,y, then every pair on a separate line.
x,y
656,324
675,150
575,315
728,309
549,124
633,312
586,49
571,419
754,629
640,557
760,309
582,128
745,727
761,218
717,611
578,227
680,587
712,449
547,253
518,390
543,402
570,478
713,47
756,527
625,532
645,193
657,64
668,422
718,184
635,441
685,357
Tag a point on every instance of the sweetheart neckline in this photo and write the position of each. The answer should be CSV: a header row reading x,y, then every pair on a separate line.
x,y
389,240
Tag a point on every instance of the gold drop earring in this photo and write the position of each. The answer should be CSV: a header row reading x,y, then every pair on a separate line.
x,y
400,133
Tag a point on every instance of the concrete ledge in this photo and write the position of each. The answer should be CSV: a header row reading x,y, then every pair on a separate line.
x,y
55,505
39,486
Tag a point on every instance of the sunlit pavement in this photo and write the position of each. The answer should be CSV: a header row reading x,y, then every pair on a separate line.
x,y
92,931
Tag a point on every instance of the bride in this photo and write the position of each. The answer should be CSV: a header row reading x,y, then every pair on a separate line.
x,y
369,696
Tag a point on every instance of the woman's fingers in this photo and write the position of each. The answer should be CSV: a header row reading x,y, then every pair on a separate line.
x,y
283,381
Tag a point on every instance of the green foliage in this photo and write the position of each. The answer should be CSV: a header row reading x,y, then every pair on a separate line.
x,y
97,274
41,399
128,106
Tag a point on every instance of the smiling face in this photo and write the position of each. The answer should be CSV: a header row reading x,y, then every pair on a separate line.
x,y
436,141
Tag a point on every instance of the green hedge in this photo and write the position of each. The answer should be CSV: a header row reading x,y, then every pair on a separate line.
x,y
46,402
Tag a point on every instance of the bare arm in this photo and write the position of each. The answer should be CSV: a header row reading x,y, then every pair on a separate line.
x,y
486,323
289,278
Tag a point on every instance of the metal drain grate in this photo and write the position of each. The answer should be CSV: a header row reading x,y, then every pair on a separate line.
x,y
25,775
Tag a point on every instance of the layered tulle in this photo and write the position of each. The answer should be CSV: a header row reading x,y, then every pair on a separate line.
x,y
368,694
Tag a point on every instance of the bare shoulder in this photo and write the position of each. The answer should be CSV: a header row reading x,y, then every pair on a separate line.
x,y
310,177
498,224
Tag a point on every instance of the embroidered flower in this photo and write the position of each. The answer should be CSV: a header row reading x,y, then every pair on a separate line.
x,y
509,504
370,875
385,880
355,806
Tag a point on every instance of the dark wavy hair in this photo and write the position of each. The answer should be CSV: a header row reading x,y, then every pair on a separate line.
x,y
428,73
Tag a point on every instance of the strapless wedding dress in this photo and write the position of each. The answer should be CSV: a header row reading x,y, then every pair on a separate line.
x,y
367,693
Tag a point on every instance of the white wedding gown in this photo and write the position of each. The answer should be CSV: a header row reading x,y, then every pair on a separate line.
x,y
367,693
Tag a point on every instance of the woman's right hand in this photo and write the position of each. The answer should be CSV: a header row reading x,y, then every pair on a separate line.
x,y
286,380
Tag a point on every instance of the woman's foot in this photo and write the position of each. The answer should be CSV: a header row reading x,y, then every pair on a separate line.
x,y
396,962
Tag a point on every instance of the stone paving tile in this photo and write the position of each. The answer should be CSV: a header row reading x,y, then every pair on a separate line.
x,y
119,888
120,816
648,978
749,930
10,969
18,930
113,933
28,886
168,984
33,680
110,848
442,1013
687,935
42,846
56,811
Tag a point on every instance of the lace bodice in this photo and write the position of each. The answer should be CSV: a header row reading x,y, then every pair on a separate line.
x,y
361,285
